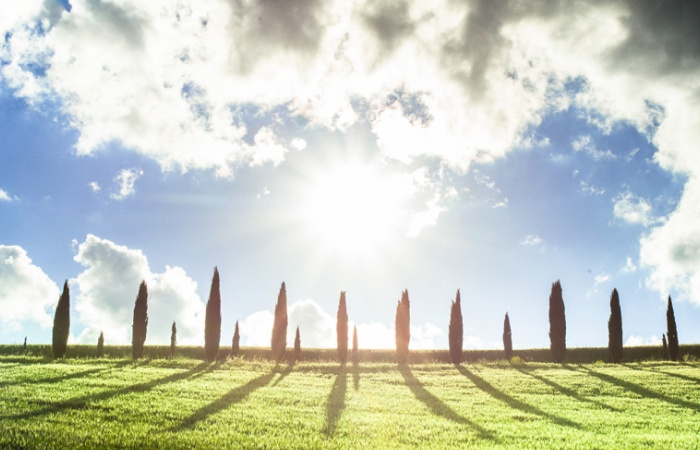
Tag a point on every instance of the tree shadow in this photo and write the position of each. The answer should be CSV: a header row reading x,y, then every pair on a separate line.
x,y
85,400
642,391
335,404
235,395
567,391
437,406
283,373
663,372
513,402
356,376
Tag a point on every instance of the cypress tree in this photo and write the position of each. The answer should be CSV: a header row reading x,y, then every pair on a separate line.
x,y
355,348
297,345
615,329
665,346
507,338
24,346
341,329
236,342
403,328
456,333
671,332
140,323
212,320
557,323
173,340
61,324
278,342
101,345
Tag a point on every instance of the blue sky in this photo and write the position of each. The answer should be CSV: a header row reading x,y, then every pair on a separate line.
x,y
365,147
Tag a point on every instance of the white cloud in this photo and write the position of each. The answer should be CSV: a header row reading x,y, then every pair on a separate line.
x,y
601,278
590,189
629,266
27,294
298,144
267,148
126,179
531,240
256,329
108,286
632,209
94,186
477,343
5,197
639,341
418,220
583,143
316,327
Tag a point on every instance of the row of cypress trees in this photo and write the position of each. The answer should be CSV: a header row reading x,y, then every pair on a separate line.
x,y
278,343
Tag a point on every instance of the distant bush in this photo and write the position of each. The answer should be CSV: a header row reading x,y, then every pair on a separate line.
x,y
515,360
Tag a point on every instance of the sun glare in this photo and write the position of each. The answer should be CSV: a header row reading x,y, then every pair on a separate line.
x,y
354,209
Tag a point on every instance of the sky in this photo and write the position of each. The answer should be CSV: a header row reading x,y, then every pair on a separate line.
x,y
358,146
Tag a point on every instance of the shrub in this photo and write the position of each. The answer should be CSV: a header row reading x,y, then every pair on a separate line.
x,y
212,320
516,360
140,323
61,324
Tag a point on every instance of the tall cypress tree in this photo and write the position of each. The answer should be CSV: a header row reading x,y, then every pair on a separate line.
x,y
101,345
615,329
61,324
456,333
236,342
557,323
355,349
507,338
665,347
173,340
403,328
212,320
297,345
671,332
278,342
140,323
341,329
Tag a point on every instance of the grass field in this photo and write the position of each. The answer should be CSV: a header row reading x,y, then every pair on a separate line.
x,y
185,403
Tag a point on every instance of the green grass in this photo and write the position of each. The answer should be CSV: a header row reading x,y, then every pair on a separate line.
x,y
184,403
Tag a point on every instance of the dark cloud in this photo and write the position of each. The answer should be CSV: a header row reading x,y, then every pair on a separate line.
x,y
390,22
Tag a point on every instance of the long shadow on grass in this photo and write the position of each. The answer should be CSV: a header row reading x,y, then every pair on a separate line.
x,y
566,391
356,376
235,395
663,372
283,373
85,400
513,402
641,390
335,404
437,406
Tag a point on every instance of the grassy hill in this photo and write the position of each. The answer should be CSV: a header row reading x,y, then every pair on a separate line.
x,y
253,403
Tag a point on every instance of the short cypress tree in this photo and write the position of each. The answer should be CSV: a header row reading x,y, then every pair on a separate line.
x,y
101,345
557,323
236,342
403,328
24,346
341,329
212,320
173,340
278,343
671,331
615,329
507,338
61,324
456,333
297,345
355,349
665,346
140,323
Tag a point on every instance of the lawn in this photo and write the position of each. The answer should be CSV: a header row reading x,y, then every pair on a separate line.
x,y
185,403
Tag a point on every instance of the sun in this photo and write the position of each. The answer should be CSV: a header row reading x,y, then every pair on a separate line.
x,y
355,209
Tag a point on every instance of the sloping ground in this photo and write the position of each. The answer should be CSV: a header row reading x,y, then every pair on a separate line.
x,y
185,403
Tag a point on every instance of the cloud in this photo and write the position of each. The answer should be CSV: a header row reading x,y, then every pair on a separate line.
x,y
107,290
126,179
5,197
639,341
583,144
27,294
629,266
632,209
601,278
94,186
531,240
